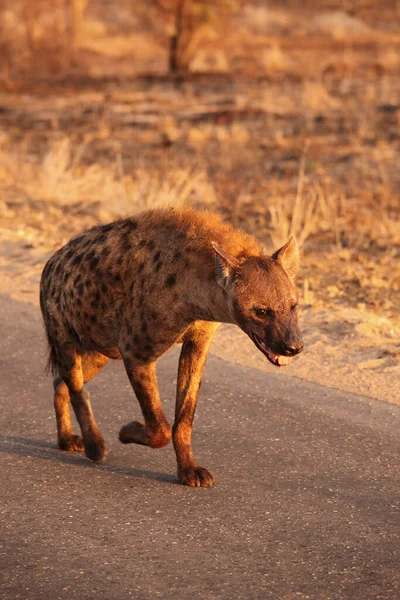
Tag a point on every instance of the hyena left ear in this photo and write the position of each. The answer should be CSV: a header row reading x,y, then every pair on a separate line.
x,y
225,264
288,257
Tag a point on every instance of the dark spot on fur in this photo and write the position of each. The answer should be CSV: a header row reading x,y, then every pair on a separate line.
x,y
104,288
85,315
141,301
126,243
176,296
93,318
142,244
136,339
141,267
131,287
129,329
144,328
151,245
77,260
87,283
117,278
58,269
138,356
148,348
158,266
105,252
79,289
120,260
103,306
177,255
88,243
156,257
90,255
93,263
128,347
133,224
69,254
77,279
106,228
154,315
171,280
78,302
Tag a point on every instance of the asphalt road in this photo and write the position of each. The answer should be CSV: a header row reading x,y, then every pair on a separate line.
x,y
306,503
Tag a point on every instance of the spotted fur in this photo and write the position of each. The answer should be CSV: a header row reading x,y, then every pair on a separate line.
x,y
131,289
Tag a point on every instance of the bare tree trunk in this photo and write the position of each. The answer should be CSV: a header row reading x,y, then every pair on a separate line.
x,y
175,39
183,33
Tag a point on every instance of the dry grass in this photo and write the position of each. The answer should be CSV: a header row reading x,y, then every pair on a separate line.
x,y
62,179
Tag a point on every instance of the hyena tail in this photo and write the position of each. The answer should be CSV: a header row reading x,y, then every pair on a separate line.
x,y
52,360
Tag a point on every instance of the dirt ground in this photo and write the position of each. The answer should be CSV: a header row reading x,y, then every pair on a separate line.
x,y
289,123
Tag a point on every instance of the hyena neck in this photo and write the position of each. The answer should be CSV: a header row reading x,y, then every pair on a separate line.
x,y
209,302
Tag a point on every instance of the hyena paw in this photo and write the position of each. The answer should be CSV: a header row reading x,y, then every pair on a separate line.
x,y
196,477
136,433
96,449
71,443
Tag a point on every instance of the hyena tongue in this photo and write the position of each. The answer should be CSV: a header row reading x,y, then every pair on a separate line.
x,y
283,360
278,359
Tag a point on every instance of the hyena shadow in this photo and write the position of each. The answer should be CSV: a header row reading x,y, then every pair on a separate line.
x,y
45,450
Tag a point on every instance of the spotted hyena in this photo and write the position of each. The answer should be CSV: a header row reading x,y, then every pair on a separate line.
x,y
131,289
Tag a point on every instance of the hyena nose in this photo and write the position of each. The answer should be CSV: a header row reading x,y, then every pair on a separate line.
x,y
294,347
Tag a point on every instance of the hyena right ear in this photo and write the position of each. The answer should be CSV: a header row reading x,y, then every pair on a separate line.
x,y
225,264
288,256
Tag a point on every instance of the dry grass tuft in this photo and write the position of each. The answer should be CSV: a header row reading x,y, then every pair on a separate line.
x,y
63,180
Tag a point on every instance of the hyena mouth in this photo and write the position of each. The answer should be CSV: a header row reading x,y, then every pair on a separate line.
x,y
276,359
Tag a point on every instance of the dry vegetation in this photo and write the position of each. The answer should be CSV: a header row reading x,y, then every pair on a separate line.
x,y
286,120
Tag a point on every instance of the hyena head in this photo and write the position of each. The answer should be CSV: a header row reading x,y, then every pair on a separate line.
x,y
262,299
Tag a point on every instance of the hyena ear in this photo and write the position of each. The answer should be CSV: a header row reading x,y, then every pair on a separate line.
x,y
288,257
225,264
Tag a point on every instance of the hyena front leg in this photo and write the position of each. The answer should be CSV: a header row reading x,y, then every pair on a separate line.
x,y
156,431
92,363
195,346
71,372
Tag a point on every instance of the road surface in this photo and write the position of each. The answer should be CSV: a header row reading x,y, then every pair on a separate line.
x,y
306,503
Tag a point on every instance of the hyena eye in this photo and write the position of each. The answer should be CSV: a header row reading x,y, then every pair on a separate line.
x,y
293,308
263,312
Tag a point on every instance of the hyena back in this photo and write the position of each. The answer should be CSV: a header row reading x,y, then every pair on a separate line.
x,y
131,289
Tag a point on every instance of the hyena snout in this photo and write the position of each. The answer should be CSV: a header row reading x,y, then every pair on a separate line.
x,y
291,338
294,345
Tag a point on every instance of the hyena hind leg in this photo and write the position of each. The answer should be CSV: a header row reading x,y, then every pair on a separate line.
x,y
91,364
66,438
